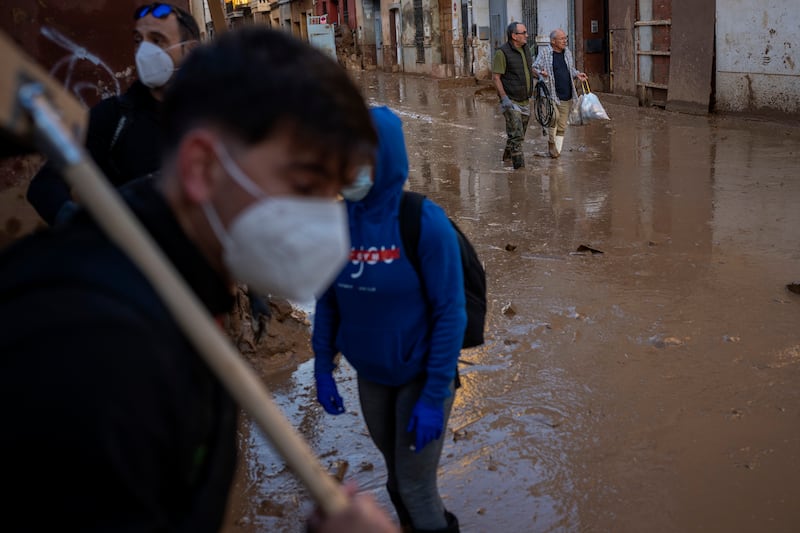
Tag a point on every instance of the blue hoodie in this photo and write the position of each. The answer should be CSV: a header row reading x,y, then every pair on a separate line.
x,y
375,312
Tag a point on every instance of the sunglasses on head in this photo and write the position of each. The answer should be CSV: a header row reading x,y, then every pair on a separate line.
x,y
158,10
161,11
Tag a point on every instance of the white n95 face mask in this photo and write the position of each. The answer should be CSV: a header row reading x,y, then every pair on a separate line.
x,y
286,246
154,65
360,187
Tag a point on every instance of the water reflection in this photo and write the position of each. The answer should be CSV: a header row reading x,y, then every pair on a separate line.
x,y
501,429
658,194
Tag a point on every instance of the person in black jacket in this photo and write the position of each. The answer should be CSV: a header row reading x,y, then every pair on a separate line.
x,y
124,132
513,76
111,420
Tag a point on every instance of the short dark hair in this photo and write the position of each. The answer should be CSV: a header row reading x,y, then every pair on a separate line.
x,y
253,81
511,29
187,25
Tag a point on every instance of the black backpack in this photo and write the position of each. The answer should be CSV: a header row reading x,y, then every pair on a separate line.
x,y
474,273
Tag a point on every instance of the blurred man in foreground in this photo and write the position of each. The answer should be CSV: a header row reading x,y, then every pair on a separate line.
x,y
112,420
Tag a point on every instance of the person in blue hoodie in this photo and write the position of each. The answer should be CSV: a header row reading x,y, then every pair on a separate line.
x,y
402,337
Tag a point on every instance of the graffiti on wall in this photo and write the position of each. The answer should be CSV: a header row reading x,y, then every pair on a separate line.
x,y
76,58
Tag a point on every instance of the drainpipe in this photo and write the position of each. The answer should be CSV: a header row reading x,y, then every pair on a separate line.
x,y
469,39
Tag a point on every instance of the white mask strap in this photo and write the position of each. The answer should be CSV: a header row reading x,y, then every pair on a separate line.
x,y
187,41
237,173
216,225
182,43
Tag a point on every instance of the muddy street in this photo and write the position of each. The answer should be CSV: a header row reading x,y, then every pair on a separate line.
x,y
648,385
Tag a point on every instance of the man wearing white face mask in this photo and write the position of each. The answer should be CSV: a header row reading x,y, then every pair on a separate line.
x,y
124,133
164,34
103,396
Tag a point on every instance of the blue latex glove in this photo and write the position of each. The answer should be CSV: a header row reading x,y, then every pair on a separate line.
x,y
328,394
428,422
506,103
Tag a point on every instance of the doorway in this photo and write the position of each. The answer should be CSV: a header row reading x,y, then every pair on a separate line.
x,y
446,32
497,23
378,23
394,29
652,45
594,43
530,20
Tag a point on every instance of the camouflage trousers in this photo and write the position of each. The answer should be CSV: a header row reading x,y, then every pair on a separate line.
x,y
516,126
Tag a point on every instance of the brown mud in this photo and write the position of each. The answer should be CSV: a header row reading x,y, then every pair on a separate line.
x,y
650,385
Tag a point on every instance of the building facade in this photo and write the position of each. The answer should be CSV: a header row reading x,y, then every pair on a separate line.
x,y
696,57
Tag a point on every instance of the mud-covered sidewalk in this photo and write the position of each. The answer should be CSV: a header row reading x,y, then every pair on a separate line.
x,y
647,383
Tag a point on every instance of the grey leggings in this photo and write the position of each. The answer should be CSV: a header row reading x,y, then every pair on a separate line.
x,y
411,476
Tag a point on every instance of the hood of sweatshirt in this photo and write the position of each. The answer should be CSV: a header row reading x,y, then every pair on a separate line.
x,y
391,167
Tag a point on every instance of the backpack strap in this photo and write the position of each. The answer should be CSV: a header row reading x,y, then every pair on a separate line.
x,y
411,226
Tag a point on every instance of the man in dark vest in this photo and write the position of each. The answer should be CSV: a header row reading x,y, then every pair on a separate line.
x,y
513,76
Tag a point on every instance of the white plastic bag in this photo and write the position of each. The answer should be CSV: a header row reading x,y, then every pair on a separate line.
x,y
592,109
575,118
590,106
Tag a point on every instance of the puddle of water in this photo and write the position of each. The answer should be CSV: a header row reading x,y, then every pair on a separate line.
x,y
502,428
336,440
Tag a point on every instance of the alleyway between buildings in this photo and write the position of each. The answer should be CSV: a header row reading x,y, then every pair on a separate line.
x,y
643,359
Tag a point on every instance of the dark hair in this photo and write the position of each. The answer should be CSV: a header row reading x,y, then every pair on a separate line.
x,y
187,25
253,81
511,29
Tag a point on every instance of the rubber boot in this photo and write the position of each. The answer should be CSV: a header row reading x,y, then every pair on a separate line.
x,y
506,155
559,143
518,161
551,143
452,525
400,508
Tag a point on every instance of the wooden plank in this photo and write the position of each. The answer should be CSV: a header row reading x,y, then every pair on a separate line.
x,y
653,85
17,70
666,22
691,64
217,16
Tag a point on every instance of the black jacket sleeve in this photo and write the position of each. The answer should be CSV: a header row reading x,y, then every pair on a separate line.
x,y
47,191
